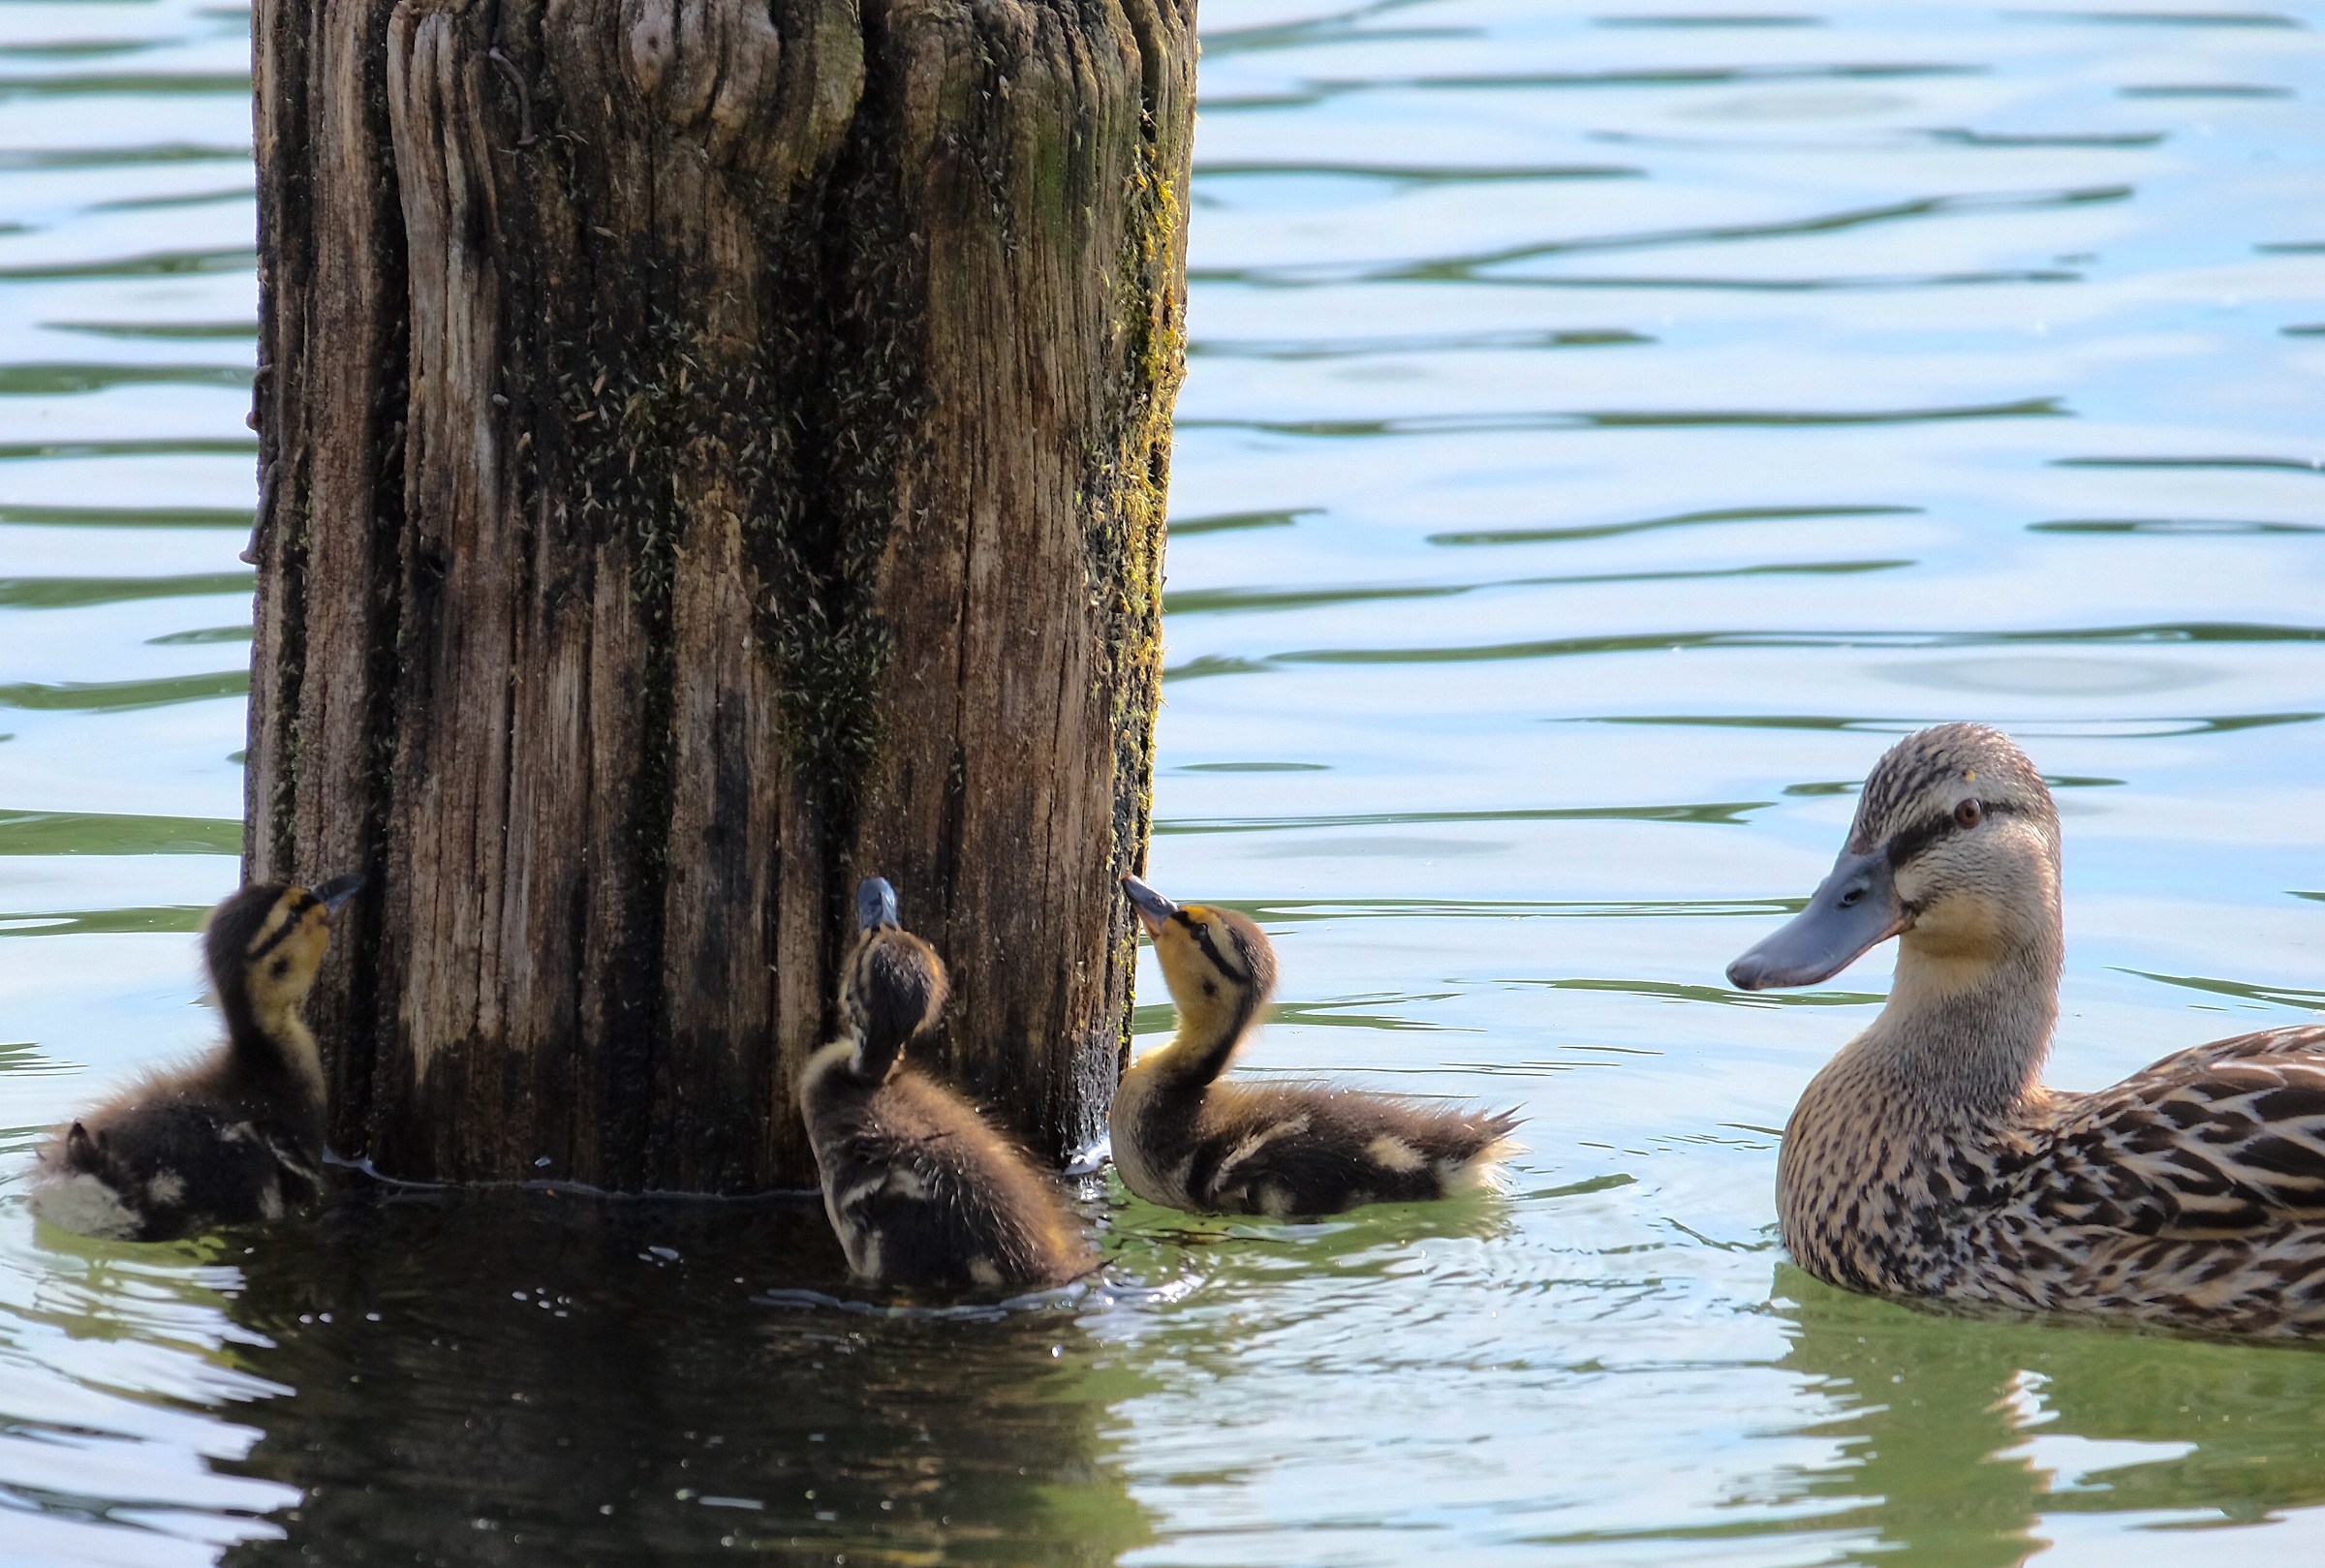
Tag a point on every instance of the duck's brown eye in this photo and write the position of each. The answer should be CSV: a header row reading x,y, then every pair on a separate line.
x,y
1969,814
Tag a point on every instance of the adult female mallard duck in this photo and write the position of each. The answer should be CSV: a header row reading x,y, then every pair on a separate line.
x,y
1926,1158
922,1191
238,1135
1187,1140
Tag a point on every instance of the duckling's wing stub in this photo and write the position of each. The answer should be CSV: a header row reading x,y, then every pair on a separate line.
x,y
1299,1151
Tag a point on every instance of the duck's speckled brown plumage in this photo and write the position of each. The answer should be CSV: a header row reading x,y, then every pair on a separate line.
x,y
1926,1158
1185,1139
922,1191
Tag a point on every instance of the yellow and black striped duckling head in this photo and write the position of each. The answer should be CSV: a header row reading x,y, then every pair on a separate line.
x,y
1216,963
265,942
893,985
1955,848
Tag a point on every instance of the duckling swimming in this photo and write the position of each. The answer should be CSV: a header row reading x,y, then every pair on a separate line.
x,y
1926,1158
1185,1139
238,1135
921,1189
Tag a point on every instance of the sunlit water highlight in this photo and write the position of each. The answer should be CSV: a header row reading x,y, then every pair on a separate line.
x,y
1604,432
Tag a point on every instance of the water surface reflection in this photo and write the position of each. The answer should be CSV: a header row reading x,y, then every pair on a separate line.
x,y
569,1381
1958,1438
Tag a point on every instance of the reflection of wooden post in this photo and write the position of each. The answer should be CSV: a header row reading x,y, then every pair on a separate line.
x,y
551,1400
753,480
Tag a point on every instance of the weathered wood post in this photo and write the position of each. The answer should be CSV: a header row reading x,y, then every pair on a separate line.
x,y
711,450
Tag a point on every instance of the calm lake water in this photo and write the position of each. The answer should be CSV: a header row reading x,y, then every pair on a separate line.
x,y
1607,427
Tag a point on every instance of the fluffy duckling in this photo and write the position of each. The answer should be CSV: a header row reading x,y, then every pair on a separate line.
x,y
238,1135
921,1190
1928,1159
1185,1139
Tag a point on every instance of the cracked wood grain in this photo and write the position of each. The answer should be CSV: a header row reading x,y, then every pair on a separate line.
x,y
750,481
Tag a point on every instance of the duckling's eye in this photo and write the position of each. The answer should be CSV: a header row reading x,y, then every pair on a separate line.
x,y
1970,812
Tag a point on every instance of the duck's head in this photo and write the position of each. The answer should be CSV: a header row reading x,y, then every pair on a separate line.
x,y
1216,963
893,986
1955,848
265,943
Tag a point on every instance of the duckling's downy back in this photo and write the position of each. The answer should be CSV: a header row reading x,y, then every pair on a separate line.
x,y
921,1189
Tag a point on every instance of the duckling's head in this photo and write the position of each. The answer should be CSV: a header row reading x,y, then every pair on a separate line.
x,y
894,984
1955,848
1216,963
265,943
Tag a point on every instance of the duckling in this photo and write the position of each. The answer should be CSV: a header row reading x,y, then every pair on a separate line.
x,y
1185,1140
238,1135
921,1190
1928,1159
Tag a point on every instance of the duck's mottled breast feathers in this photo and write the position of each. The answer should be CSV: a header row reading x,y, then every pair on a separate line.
x,y
2221,1139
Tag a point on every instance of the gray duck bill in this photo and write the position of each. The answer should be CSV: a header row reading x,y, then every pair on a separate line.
x,y
1852,911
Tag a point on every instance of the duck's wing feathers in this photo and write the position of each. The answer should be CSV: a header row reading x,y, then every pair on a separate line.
x,y
2222,1139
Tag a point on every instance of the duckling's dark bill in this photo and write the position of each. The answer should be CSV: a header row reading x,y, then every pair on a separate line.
x,y
1153,909
1854,911
336,892
875,905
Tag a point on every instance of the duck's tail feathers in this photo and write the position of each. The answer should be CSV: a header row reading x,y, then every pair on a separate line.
x,y
81,1155
78,1188
1486,1139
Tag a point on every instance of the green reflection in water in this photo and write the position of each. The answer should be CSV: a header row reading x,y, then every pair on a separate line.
x,y
132,518
1160,1017
117,696
574,1381
1243,601
165,152
1291,911
93,833
149,265
1226,522
167,331
1723,996
1470,424
1413,174
159,918
74,593
2169,526
203,636
2274,996
2264,465
1296,350
1956,1434
171,83
1683,519
1825,223
1664,641
61,380
1729,814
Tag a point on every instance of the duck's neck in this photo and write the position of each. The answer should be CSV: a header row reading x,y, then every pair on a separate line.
x,y
1968,1033
876,1061
1206,1042
275,1039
